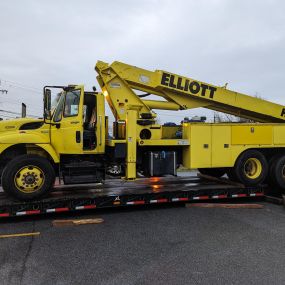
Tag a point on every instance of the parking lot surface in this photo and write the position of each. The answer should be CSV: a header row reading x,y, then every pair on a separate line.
x,y
148,245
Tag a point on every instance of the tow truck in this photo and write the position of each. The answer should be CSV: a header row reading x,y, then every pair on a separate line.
x,y
72,143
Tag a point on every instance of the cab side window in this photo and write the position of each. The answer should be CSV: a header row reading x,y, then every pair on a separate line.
x,y
72,99
59,110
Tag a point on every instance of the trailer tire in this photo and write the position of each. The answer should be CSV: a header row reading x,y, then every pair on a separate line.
x,y
28,177
251,168
215,172
277,172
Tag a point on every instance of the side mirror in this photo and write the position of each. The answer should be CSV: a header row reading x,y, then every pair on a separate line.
x,y
47,103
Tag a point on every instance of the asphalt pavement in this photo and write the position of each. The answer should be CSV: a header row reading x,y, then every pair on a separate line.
x,y
148,245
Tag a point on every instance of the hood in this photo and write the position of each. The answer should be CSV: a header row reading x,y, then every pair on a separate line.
x,y
20,124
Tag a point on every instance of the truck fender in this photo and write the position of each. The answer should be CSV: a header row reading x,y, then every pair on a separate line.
x,y
50,150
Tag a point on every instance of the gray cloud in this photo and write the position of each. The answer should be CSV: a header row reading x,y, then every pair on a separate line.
x,y
216,41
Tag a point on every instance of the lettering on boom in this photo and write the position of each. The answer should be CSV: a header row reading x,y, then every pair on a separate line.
x,y
283,112
184,84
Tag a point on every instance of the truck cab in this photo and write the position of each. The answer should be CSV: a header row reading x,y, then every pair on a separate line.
x,y
76,119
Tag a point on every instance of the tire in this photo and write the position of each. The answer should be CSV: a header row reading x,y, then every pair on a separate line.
x,y
28,177
271,160
251,168
215,172
277,172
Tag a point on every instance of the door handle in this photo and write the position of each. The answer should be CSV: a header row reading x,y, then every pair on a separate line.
x,y
78,137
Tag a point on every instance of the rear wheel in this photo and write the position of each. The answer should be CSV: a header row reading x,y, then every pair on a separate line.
x,y
215,172
251,168
277,172
28,177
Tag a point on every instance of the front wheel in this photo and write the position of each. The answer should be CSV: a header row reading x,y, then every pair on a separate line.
x,y
28,177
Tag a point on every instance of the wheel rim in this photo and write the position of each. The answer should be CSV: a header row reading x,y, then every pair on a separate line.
x,y
29,179
252,168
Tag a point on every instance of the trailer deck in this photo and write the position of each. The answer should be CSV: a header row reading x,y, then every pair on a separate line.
x,y
116,192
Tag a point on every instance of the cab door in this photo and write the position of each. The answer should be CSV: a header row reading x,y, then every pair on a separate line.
x,y
67,124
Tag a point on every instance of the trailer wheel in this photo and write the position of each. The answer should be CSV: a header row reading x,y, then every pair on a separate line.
x,y
251,168
28,177
215,172
277,172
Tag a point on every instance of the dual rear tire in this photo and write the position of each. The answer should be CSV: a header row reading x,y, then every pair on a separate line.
x,y
277,172
252,168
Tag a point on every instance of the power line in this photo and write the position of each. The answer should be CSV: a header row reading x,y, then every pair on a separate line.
x,y
15,113
20,85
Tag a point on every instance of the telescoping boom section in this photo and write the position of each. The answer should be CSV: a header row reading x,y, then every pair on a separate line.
x,y
180,93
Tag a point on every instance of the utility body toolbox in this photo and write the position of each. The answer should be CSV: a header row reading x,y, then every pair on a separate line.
x,y
160,163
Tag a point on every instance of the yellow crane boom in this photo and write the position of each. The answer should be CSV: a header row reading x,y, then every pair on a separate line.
x,y
179,92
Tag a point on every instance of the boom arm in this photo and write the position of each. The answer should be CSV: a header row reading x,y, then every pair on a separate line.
x,y
118,81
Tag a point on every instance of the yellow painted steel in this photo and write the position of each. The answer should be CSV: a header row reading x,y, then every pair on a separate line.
x,y
163,142
252,134
200,146
131,139
161,105
117,92
221,145
184,91
63,137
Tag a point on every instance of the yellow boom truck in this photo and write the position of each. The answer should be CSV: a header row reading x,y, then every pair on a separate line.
x,y
72,140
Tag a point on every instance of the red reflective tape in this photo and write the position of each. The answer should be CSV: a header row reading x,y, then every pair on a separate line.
x,y
4,215
183,199
162,200
219,196
33,212
89,206
61,209
259,194
203,197
242,195
139,202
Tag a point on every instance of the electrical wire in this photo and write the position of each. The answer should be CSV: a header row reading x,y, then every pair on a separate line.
x,y
19,85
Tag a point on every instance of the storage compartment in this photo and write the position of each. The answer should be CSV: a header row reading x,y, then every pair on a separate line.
x,y
159,163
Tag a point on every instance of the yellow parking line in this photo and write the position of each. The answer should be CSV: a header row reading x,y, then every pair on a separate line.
x,y
20,235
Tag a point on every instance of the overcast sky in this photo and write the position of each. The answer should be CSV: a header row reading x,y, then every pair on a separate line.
x,y
216,41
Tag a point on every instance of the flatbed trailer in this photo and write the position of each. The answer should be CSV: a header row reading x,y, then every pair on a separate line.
x,y
117,193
